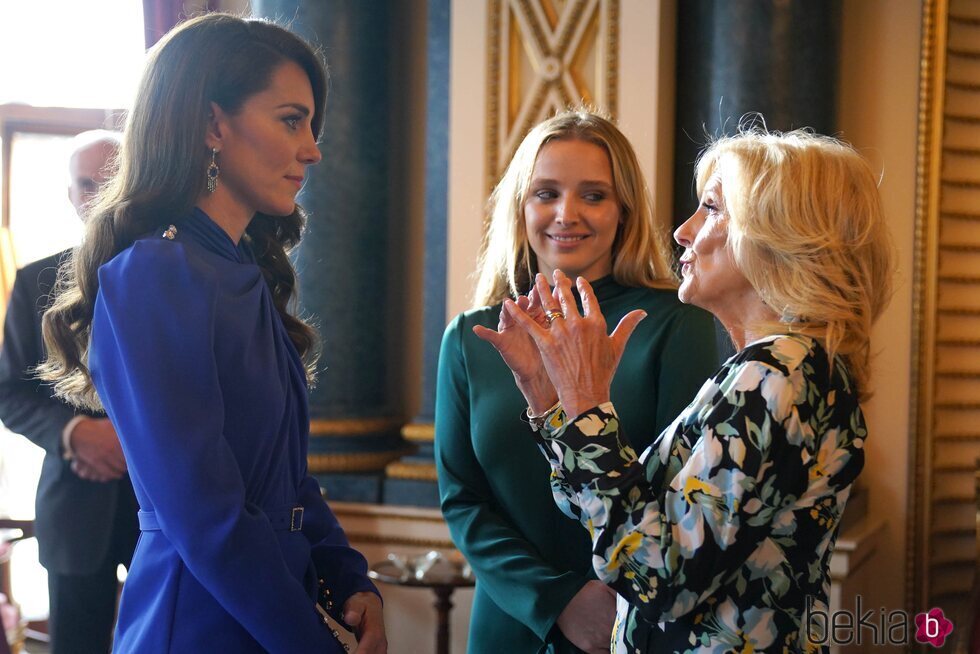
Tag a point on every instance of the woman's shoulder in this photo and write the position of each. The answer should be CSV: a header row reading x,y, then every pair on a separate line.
x,y
786,353
464,321
156,259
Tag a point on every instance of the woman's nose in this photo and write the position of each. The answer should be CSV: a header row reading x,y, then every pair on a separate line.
x,y
565,211
310,154
683,234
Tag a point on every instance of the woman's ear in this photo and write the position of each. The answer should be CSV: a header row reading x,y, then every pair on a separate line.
x,y
216,126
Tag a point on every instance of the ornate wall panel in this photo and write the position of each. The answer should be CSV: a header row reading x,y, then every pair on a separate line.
x,y
947,310
545,55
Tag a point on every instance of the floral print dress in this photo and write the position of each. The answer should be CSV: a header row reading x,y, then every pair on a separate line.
x,y
718,537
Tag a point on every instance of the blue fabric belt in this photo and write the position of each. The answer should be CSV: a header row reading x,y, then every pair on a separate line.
x,y
289,518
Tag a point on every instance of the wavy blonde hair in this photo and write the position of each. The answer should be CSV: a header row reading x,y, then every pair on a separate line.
x,y
807,230
641,254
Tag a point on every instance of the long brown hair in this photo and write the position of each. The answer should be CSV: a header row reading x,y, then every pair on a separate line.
x,y
162,171
641,254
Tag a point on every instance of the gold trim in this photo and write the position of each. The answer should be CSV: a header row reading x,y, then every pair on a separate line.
x,y
353,461
932,67
510,117
419,432
386,512
353,426
409,541
412,471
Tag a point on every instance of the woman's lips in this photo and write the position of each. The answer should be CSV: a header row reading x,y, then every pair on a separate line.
x,y
298,181
567,240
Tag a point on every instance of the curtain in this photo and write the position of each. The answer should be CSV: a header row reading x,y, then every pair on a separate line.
x,y
159,16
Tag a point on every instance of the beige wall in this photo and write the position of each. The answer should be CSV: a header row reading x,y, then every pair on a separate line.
x,y
878,115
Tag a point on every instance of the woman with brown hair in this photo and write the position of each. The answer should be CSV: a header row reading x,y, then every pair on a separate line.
x,y
174,316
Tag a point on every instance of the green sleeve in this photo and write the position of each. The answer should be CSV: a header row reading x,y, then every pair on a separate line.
x,y
690,357
506,565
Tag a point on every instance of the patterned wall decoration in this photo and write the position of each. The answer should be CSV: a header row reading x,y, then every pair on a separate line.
x,y
545,55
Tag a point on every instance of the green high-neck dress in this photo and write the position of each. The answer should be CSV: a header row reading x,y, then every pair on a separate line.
x,y
530,559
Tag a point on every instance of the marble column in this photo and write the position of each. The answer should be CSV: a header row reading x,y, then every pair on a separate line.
x,y
735,58
346,262
412,479
779,58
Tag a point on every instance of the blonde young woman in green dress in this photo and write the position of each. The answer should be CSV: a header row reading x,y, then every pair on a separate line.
x,y
573,198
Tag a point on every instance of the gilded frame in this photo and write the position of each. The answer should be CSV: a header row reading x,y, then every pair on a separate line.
x,y
924,284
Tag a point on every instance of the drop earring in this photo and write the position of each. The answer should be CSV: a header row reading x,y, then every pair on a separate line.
x,y
213,171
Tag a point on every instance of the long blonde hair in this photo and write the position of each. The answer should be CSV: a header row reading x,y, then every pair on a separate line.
x,y
807,230
641,254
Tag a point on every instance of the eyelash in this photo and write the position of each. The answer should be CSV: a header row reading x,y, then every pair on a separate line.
x,y
546,194
710,208
292,122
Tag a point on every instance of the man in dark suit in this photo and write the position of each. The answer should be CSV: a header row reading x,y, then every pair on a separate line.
x,y
85,511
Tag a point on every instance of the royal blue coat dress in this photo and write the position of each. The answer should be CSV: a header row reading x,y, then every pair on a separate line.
x,y
209,397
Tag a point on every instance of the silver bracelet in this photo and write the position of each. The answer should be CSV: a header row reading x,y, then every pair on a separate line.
x,y
538,421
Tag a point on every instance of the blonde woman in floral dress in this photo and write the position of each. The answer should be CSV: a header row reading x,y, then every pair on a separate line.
x,y
718,537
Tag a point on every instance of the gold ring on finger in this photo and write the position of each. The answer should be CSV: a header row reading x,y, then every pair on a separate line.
x,y
552,315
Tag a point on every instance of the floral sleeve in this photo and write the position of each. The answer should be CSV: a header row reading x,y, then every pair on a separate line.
x,y
762,457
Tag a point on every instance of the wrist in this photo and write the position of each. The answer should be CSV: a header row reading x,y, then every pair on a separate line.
x,y
67,452
539,393
576,405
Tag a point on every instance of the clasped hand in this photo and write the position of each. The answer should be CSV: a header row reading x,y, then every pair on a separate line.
x,y
98,454
571,357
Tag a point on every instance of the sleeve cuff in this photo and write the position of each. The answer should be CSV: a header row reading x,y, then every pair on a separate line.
x,y
66,452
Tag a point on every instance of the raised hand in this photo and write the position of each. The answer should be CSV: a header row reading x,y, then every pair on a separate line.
x,y
520,353
578,355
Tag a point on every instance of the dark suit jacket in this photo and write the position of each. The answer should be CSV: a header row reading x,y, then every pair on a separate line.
x,y
74,518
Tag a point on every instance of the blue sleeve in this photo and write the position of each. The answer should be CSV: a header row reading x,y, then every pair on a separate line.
x,y
153,363
342,568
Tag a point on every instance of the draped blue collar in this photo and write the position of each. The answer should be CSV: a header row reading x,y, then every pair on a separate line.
x,y
201,228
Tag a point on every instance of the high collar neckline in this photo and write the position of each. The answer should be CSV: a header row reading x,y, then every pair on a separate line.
x,y
207,232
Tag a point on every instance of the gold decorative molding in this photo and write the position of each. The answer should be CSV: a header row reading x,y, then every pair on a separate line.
x,y
353,426
419,432
353,461
412,471
924,293
392,539
543,56
386,512
943,440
